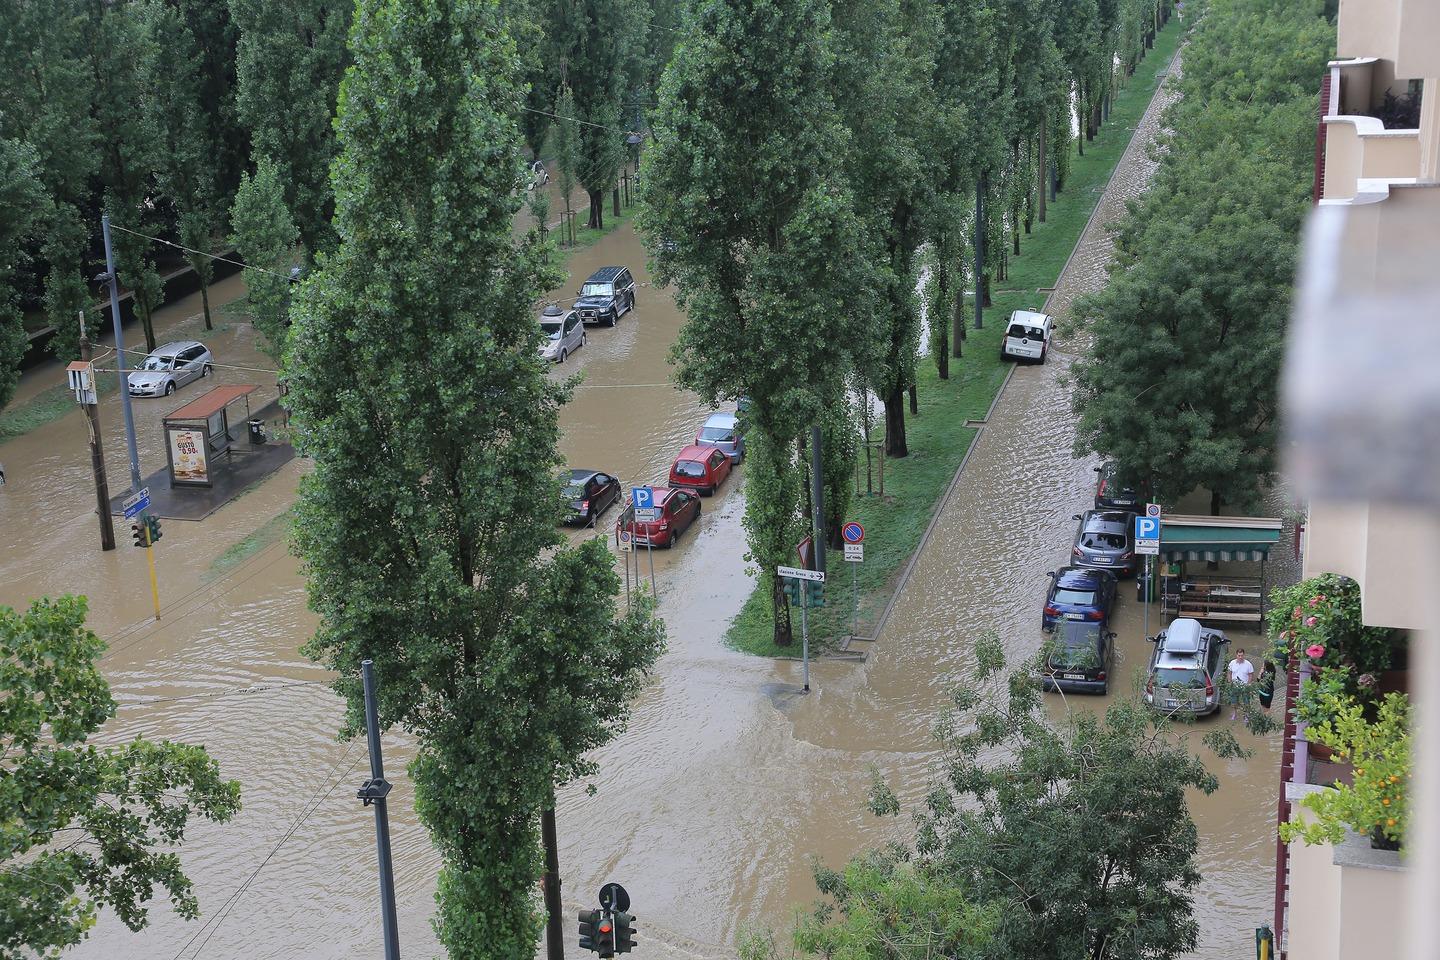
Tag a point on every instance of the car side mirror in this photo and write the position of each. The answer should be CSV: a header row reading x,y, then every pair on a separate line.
x,y
1050,574
1075,517
1097,469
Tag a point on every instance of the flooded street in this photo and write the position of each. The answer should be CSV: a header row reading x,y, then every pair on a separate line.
x,y
727,781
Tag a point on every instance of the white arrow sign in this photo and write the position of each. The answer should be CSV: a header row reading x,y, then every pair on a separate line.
x,y
800,573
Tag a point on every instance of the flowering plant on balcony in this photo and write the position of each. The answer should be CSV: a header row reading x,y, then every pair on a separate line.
x,y
1319,620
1376,804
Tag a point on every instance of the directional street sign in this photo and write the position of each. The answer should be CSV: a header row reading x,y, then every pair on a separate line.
x,y
853,532
137,504
800,573
1147,535
855,552
642,497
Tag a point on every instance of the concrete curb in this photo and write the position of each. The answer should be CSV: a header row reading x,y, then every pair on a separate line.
x,y
980,432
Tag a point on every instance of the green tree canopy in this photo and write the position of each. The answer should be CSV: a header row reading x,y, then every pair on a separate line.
x,y
428,525
22,204
85,827
266,238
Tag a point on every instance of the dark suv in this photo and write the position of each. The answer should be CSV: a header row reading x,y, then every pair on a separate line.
x,y
609,292
1078,594
1078,658
1114,491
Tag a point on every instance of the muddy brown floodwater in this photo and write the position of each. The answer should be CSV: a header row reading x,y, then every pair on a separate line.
x,y
727,780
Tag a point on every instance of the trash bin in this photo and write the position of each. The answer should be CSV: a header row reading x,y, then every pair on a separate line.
x,y
257,431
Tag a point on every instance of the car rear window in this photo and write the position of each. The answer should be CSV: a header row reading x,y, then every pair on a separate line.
x,y
690,468
1081,598
574,491
1018,331
1179,677
717,434
1102,541
1076,645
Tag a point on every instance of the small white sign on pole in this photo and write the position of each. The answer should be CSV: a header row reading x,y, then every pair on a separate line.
x,y
800,573
855,552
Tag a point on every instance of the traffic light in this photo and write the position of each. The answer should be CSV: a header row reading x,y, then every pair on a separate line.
x,y
589,920
817,594
624,933
792,591
605,937
138,529
154,524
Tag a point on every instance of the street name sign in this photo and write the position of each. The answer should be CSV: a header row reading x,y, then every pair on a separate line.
x,y
138,503
1147,535
800,573
855,552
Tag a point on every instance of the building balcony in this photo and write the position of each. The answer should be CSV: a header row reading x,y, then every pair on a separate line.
x,y
1400,31
1372,126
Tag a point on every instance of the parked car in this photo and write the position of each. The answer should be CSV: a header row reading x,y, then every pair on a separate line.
x,y
170,367
1078,594
1027,337
678,510
1185,668
722,431
1103,540
538,176
608,293
1079,658
589,493
563,333
1114,491
700,468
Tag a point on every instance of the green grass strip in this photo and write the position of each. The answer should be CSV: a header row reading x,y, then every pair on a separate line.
x,y
272,530
938,438
46,407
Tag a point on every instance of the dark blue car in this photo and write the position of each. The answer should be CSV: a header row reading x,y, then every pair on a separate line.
x,y
1078,594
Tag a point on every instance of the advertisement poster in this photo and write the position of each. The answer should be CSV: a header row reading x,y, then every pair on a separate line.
x,y
187,457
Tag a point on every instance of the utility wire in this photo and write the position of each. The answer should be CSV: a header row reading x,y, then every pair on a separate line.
x,y
234,898
201,253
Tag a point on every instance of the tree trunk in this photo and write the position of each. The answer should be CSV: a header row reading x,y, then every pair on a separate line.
x,y
957,321
597,209
616,197
914,402
938,321
895,423
1214,504
201,272
1079,112
783,636
1044,167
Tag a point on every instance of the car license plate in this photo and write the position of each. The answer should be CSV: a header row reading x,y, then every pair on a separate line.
x,y
1102,560
1172,704
1073,676
1074,616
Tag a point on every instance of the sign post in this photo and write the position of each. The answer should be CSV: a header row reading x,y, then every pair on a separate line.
x,y
854,536
804,576
1147,543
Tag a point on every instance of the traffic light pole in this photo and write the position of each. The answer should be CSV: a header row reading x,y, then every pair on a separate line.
x,y
150,560
374,791
120,359
805,633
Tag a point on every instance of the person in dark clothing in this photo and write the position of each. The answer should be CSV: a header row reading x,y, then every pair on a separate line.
x,y
1266,689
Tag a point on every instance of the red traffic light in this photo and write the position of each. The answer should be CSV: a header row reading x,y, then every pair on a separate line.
x,y
606,927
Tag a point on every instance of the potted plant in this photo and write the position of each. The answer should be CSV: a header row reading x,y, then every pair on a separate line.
x,y
1376,804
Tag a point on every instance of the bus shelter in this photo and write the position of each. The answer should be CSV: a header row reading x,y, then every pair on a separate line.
x,y
1218,597
205,429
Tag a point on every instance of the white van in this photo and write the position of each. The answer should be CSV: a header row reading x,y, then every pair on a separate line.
x,y
1027,337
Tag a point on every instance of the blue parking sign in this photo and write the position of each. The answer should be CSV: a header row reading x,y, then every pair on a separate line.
x,y
642,498
1147,528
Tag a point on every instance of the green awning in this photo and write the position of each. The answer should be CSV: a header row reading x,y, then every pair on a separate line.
x,y
1188,538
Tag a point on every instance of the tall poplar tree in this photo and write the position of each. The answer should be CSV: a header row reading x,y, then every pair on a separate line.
x,y
289,61
22,203
428,525
265,237
747,213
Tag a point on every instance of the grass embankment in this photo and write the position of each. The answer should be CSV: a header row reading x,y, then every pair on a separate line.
x,y
587,236
938,438
45,407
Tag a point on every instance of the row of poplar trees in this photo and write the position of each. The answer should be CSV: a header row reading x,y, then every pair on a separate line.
x,y
807,153
210,123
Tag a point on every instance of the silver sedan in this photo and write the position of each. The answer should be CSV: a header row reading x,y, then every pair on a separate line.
x,y
170,367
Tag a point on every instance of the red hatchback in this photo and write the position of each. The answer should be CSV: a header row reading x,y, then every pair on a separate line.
x,y
678,510
699,468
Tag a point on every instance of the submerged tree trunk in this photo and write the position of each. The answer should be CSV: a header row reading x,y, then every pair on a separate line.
x,y
895,423
597,209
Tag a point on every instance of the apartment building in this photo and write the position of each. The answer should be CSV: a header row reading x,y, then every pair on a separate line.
x,y
1362,408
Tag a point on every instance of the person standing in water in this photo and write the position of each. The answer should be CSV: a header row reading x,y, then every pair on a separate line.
x,y
1266,688
1240,670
